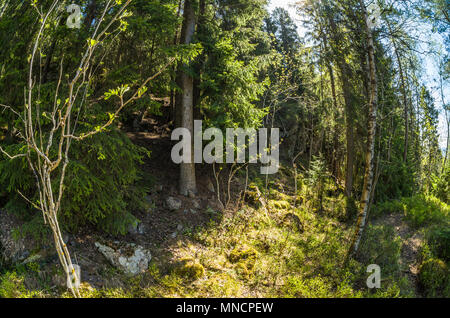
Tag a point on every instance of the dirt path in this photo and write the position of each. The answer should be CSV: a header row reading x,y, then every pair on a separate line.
x,y
412,241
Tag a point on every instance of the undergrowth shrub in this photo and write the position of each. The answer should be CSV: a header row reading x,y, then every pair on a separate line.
x,y
103,185
424,209
419,210
440,186
434,277
12,286
439,240
387,207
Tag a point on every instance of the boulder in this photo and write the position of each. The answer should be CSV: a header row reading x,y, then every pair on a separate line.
x,y
131,258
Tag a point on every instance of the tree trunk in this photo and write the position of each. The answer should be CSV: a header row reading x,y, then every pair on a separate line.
x,y
345,74
200,59
405,104
350,132
187,183
349,123
3,8
372,120
447,119
174,96
335,112
350,156
91,12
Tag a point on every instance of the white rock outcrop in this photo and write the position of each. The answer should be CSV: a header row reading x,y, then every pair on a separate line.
x,y
131,258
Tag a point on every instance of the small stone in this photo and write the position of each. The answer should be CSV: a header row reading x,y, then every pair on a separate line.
x,y
210,186
179,227
59,280
173,235
173,203
215,204
32,258
133,228
141,228
66,238
195,204
191,194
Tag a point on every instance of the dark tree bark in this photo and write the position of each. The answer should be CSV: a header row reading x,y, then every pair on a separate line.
x,y
91,12
199,60
345,75
187,181
405,103
350,130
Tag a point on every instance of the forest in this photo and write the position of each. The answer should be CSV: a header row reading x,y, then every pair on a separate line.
x,y
338,185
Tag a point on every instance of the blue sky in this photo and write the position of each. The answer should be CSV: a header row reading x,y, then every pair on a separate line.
x,y
430,74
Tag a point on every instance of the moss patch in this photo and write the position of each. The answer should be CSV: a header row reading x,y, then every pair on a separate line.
x,y
245,258
280,204
190,269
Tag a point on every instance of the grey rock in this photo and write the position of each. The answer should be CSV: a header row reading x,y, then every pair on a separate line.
x,y
173,203
66,238
210,187
215,204
59,280
137,228
195,204
133,228
131,258
142,229
32,258
191,194
179,227
173,235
